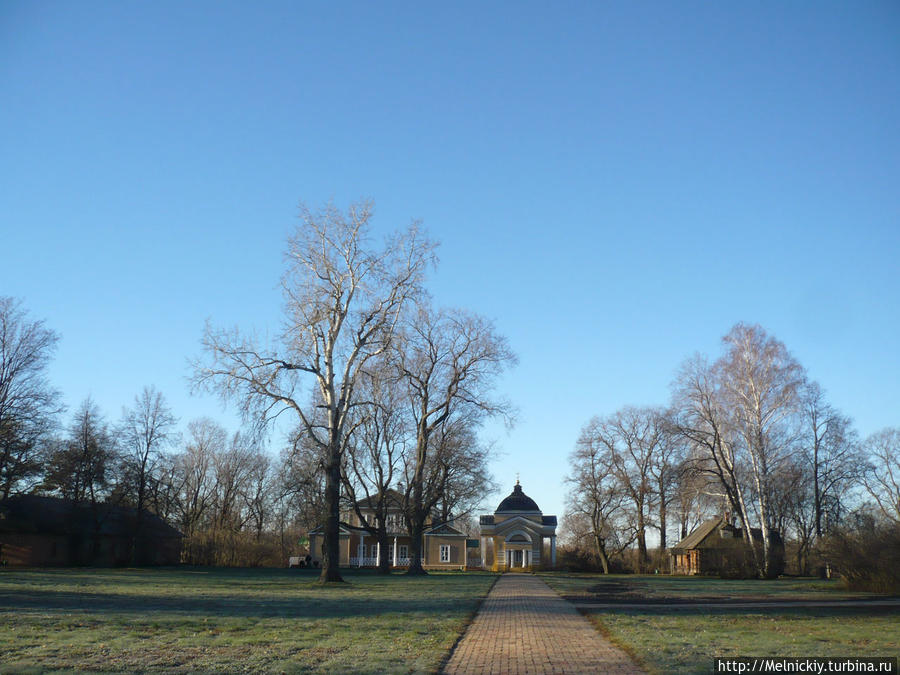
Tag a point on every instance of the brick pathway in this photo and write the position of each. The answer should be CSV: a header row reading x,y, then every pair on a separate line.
x,y
524,627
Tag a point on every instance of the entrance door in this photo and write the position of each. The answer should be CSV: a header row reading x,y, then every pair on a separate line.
x,y
517,558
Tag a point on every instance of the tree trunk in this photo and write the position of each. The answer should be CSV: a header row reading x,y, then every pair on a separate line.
x,y
384,559
332,551
817,496
662,525
601,551
415,545
643,556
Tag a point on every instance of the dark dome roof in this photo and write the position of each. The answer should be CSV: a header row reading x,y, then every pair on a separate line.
x,y
517,501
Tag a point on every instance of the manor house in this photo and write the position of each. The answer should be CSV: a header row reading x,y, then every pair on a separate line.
x,y
516,537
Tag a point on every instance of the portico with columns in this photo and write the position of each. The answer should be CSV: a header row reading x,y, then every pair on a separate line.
x,y
518,536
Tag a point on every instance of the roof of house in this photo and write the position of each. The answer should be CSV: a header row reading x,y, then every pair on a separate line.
x,y
517,501
392,497
444,529
34,514
695,538
700,533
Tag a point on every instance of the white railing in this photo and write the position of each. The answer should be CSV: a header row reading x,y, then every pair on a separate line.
x,y
373,562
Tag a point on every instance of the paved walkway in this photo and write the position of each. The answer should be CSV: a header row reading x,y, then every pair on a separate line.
x,y
523,627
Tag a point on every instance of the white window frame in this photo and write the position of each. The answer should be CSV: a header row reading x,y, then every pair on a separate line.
x,y
402,551
374,551
445,553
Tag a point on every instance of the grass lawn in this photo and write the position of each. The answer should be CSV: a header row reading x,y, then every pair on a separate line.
x,y
662,588
199,620
686,639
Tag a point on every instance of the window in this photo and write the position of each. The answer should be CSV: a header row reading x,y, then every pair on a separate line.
x,y
374,550
404,551
445,553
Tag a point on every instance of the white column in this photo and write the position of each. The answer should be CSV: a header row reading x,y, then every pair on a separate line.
x,y
395,551
378,554
553,551
525,558
362,548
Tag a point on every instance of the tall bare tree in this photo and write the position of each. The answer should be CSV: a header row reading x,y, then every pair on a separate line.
x,y
596,504
343,298
374,459
882,476
698,415
194,468
633,440
762,384
28,404
831,452
464,461
741,416
147,429
449,362
300,487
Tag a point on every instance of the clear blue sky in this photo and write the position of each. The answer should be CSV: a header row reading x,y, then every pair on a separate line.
x,y
616,184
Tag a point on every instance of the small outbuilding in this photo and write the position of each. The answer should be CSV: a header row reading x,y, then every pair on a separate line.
x,y
47,531
717,547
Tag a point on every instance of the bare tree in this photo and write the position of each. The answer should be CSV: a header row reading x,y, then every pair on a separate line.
x,y
374,459
595,500
449,362
700,418
146,430
882,476
762,385
693,495
464,461
300,490
195,478
633,441
666,469
233,468
28,404
259,495
303,481
831,452
342,301
740,415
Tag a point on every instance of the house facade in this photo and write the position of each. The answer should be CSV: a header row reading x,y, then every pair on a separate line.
x,y
443,546
517,536
717,547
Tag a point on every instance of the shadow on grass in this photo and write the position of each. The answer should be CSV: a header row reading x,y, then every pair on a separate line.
x,y
771,612
198,592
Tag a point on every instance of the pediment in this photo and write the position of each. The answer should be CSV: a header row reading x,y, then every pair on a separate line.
x,y
517,523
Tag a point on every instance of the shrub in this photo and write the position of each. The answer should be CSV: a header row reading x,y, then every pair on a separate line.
x,y
866,553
